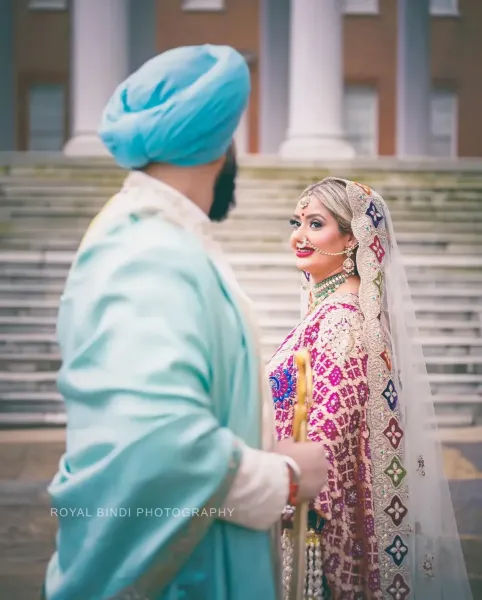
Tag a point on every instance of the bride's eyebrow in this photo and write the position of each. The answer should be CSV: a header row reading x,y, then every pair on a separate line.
x,y
313,215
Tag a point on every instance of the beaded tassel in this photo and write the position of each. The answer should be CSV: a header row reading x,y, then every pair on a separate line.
x,y
287,547
314,570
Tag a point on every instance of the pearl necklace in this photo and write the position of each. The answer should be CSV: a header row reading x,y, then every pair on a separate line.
x,y
325,288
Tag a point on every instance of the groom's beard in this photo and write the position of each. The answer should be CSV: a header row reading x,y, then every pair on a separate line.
x,y
224,189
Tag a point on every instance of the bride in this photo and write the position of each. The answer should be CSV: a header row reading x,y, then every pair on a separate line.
x,y
384,525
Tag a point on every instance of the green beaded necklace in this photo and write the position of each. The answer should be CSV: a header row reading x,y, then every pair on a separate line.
x,y
325,288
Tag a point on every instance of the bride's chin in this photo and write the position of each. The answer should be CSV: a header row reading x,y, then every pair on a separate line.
x,y
303,264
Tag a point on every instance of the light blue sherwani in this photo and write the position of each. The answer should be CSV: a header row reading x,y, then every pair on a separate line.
x,y
161,383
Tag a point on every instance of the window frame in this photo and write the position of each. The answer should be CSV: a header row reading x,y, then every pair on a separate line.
x,y
48,5
455,119
358,7
25,82
212,6
371,85
435,11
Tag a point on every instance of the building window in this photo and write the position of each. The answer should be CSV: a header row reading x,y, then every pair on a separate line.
x,y
48,4
361,119
361,7
444,7
46,117
443,123
203,5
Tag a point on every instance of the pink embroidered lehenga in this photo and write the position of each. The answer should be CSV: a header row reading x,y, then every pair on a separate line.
x,y
384,526
344,513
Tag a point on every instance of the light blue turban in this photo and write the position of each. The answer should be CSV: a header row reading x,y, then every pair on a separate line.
x,y
181,107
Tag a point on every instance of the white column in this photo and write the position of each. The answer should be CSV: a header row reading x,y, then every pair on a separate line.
x,y
315,128
413,79
99,63
274,74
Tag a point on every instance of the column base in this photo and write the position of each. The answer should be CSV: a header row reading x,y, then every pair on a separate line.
x,y
87,144
316,149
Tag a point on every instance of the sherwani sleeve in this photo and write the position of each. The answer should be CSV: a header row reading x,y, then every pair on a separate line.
x,y
149,367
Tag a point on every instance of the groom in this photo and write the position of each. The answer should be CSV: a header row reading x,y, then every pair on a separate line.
x,y
169,425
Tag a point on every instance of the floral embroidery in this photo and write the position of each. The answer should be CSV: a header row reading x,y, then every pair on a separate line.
x,y
386,359
374,214
364,187
390,395
393,433
397,551
399,590
377,248
281,385
378,281
396,472
396,511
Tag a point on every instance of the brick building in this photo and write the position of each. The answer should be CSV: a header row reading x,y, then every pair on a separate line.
x,y
377,77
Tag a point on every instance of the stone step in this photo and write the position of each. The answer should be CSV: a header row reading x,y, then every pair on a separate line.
x,y
409,226
429,182
278,311
446,383
47,407
470,223
257,206
469,294
244,260
31,419
28,382
29,362
34,343
253,266
247,260
275,187
431,344
277,243
421,306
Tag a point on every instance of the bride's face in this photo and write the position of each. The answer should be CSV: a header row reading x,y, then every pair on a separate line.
x,y
315,228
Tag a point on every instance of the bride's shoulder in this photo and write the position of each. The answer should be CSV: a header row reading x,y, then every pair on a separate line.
x,y
344,307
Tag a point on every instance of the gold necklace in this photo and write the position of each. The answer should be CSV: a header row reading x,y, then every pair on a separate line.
x,y
325,288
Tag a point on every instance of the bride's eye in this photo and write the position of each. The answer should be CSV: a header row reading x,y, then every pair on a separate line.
x,y
294,223
316,224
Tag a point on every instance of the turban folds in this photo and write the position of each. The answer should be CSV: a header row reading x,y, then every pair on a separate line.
x,y
182,107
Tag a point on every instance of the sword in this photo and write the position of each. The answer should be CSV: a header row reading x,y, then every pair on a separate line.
x,y
304,396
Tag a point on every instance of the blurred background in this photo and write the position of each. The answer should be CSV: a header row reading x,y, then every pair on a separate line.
x,y
387,92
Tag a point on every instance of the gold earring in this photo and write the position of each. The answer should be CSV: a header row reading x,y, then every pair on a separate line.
x,y
349,263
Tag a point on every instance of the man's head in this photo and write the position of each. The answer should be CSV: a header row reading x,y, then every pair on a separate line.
x,y
181,109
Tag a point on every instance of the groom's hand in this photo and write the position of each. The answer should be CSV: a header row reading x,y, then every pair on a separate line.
x,y
311,460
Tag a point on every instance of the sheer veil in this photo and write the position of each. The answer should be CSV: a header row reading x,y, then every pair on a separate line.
x,y
419,550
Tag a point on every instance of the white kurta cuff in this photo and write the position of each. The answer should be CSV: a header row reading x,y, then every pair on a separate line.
x,y
260,491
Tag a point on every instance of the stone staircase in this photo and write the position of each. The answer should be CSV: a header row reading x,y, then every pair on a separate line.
x,y
44,211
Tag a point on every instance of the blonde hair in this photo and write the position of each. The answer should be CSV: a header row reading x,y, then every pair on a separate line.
x,y
333,196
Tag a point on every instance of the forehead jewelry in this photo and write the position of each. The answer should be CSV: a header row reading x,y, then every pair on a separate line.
x,y
305,201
